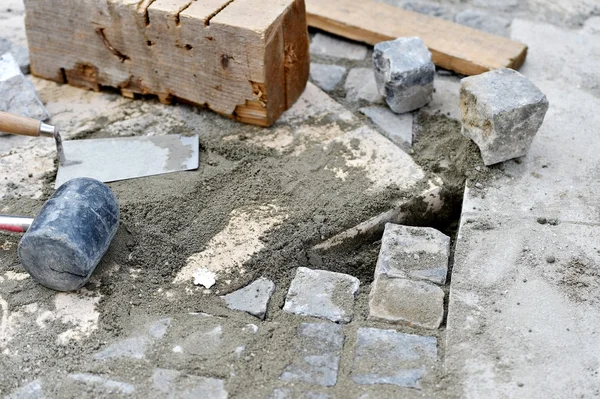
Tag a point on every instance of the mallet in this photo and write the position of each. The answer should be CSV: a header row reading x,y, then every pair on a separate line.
x,y
63,245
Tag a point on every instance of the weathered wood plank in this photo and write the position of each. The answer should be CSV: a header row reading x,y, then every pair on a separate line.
x,y
247,59
455,47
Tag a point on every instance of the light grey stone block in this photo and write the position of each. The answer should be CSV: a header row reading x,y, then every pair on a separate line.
x,y
360,85
391,357
132,348
174,384
331,46
417,253
106,385
501,112
159,329
17,94
319,347
253,298
397,128
483,21
323,294
20,53
325,76
33,390
404,73
397,300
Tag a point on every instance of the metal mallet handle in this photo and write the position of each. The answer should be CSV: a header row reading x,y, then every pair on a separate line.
x,y
15,224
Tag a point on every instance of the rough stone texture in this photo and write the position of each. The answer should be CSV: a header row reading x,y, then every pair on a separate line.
x,y
325,76
361,86
501,112
17,94
319,349
104,385
397,300
135,348
404,73
330,46
174,384
391,357
33,390
323,294
253,298
417,253
20,53
483,21
397,128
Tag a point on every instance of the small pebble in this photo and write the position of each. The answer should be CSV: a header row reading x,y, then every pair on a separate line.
x,y
478,185
550,259
542,220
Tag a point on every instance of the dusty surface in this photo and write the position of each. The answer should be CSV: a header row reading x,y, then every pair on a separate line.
x,y
261,200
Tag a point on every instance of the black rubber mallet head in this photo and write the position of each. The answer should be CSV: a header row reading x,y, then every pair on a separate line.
x,y
65,242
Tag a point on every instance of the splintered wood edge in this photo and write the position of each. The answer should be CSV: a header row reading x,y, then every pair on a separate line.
x,y
295,64
352,25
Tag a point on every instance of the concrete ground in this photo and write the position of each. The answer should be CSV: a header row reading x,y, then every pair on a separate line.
x,y
288,221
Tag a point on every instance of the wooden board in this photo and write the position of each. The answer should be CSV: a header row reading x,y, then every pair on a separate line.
x,y
454,47
247,59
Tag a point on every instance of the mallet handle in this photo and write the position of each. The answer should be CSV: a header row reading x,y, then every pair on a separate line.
x,y
15,224
21,125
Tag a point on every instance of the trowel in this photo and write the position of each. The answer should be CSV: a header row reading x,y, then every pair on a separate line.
x,y
110,159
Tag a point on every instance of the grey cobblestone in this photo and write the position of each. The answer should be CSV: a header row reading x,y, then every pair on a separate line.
x,y
501,112
397,128
319,348
327,77
323,294
360,85
397,300
253,298
174,384
419,253
391,357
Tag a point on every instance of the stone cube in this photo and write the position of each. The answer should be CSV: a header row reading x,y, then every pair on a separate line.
x,y
391,357
415,303
253,298
418,253
501,112
17,94
324,294
404,73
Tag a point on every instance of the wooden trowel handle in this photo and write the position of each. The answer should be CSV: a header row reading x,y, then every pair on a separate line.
x,y
17,124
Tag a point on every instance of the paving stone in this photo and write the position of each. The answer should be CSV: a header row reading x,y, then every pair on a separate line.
x,y
20,53
17,94
404,73
104,384
417,253
323,294
360,85
284,393
325,76
397,128
331,46
391,357
253,298
397,300
33,390
483,21
319,350
501,112
159,329
132,348
174,384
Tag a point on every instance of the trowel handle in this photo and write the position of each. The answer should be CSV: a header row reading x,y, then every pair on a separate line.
x,y
17,124
16,224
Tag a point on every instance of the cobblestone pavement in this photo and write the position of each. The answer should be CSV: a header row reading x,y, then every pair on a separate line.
x,y
265,285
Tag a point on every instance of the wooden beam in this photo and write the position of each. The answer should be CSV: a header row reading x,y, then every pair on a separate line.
x,y
454,47
246,59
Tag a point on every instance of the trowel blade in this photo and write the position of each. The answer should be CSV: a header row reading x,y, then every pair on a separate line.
x,y
127,157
